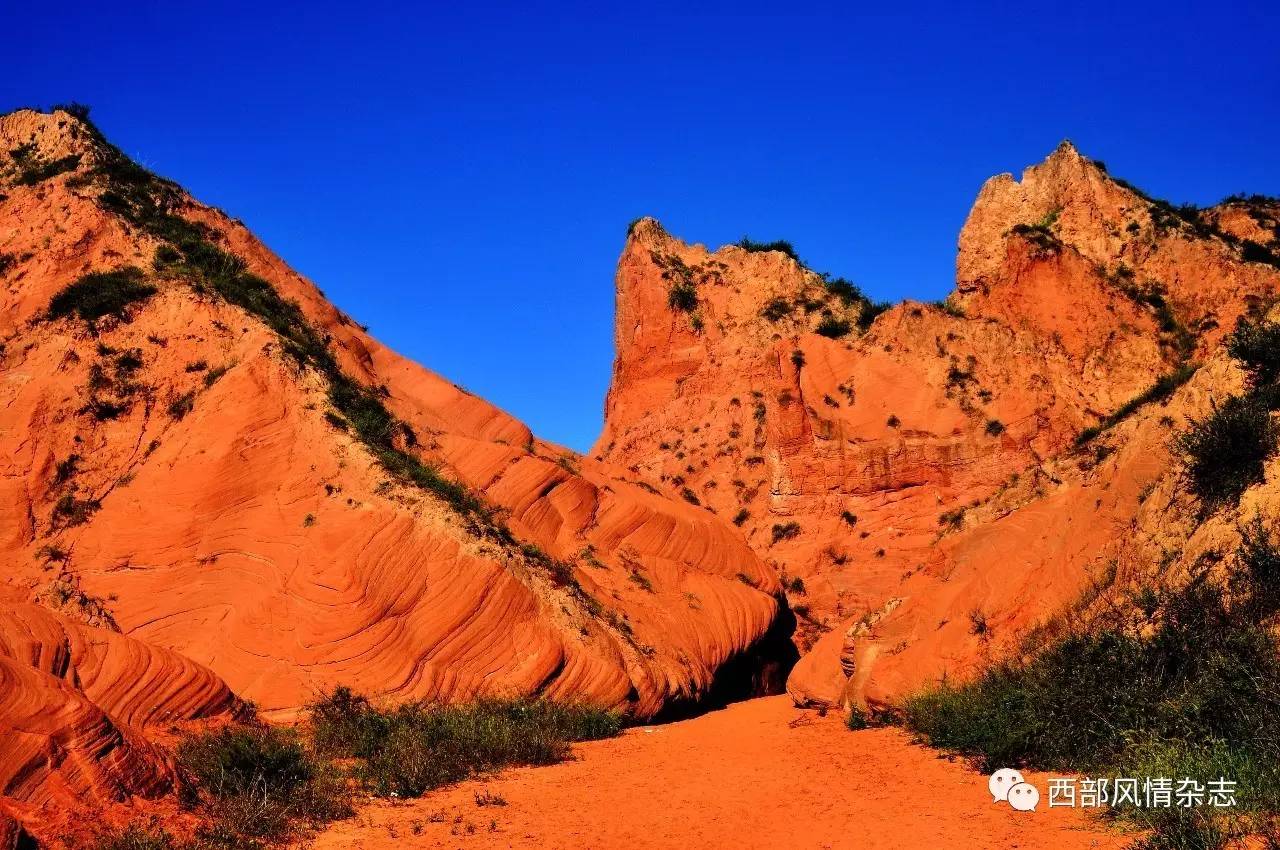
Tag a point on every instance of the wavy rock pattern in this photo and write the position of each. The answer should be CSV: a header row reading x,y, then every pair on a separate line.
x,y
177,494
76,704
254,537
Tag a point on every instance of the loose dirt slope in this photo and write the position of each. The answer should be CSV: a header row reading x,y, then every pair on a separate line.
x,y
757,774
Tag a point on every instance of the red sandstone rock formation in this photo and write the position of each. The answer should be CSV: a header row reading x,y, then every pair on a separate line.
x,y
918,485
76,704
213,495
180,488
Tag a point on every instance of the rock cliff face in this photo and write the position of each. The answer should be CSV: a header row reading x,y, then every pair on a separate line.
x,y
920,486
216,483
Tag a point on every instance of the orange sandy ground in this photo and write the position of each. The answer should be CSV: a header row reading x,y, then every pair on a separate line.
x,y
757,774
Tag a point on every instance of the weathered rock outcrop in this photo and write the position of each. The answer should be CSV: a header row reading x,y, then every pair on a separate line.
x,y
919,486
230,472
76,706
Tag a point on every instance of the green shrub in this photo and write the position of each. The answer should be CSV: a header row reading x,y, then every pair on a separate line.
x,y
741,516
416,747
641,581
103,410
253,783
1196,693
128,363
857,719
1163,388
797,359
978,624
1252,199
1225,451
66,469
33,168
1152,294
135,836
847,291
1040,235
244,759
364,412
994,427
832,327
101,294
182,405
1257,346
1255,583
683,295
1081,702
871,310
781,245
70,511
776,309
1252,252
785,530
214,375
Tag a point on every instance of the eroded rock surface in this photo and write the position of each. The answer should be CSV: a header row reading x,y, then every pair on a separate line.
x,y
919,486
181,490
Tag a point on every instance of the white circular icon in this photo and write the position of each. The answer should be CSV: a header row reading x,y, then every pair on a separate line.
x,y
1024,796
1001,781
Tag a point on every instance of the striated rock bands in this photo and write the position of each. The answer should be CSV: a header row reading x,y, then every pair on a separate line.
x,y
218,487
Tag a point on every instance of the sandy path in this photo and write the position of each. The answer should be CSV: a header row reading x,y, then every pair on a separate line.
x,y
745,777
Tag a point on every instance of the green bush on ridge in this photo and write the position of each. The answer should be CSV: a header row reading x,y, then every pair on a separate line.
x,y
188,252
100,294
1226,450
780,245
1163,388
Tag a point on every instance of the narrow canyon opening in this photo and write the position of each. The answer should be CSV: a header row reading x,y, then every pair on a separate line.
x,y
759,671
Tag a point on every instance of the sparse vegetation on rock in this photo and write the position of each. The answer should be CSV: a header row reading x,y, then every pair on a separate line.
x,y
101,294
780,245
1194,692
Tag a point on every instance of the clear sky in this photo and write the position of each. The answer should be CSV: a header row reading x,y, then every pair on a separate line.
x,y
459,177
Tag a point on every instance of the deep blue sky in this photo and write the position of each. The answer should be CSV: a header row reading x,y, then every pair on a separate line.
x,y
460,179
